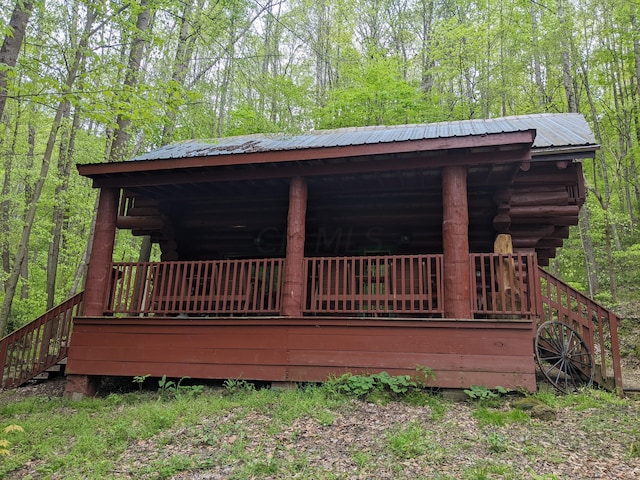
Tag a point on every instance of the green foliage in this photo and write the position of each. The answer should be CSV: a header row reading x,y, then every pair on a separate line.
x,y
5,444
363,64
485,395
140,379
366,385
235,386
634,447
497,443
277,433
169,467
168,389
425,376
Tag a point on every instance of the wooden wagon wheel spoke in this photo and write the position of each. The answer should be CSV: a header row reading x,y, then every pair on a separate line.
x,y
563,357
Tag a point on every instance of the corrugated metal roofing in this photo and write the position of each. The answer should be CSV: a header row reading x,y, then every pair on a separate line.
x,y
554,130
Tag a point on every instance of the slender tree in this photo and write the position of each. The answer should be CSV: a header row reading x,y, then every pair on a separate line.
x,y
10,48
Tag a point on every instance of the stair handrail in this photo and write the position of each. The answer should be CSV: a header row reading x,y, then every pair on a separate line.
x,y
38,345
580,311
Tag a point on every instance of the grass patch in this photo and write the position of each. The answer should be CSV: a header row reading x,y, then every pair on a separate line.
x,y
498,418
410,441
484,470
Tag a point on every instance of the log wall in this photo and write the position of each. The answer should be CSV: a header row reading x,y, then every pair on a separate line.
x,y
460,352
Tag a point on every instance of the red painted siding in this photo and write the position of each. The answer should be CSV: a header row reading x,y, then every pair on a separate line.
x,y
461,353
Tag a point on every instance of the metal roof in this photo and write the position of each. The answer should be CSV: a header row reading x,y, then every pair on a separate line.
x,y
553,131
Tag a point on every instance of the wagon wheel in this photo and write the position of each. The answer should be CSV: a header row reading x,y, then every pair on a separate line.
x,y
563,357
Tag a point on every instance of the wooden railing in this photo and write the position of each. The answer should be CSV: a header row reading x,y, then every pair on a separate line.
x,y
597,325
38,345
374,285
216,287
504,285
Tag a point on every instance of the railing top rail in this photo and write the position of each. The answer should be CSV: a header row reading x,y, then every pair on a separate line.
x,y
248,260
70,302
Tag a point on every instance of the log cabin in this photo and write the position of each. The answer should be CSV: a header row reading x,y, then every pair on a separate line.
x,y
293,258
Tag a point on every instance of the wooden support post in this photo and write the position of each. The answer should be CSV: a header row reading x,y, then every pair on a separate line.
x,y
455,239
99,268
96,283
293,281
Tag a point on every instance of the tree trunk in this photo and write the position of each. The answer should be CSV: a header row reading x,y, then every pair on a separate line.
x,y
59,207
426,62
565,54
567,82
6,205
635,29
11,46
537,68
120,142
81,271
184,54
63,107
584,226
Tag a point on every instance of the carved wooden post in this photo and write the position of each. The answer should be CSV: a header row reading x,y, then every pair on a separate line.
x,y
455,239
508,295
98,276
293,281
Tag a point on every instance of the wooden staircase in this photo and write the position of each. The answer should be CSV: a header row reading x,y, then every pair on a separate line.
x,y
597,325
38,346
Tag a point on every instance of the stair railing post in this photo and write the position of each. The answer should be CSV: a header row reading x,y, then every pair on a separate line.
x,y
615,347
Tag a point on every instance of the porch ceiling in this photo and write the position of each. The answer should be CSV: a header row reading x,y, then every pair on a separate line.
x,y
384,211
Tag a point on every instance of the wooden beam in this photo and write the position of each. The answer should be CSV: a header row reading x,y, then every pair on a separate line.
x,y
522,199
559,220
455,238
544,211
141,211
294,281
97,282
550,243
212,174
140,222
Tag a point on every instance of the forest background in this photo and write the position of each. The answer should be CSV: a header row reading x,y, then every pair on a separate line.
x,y
87,81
